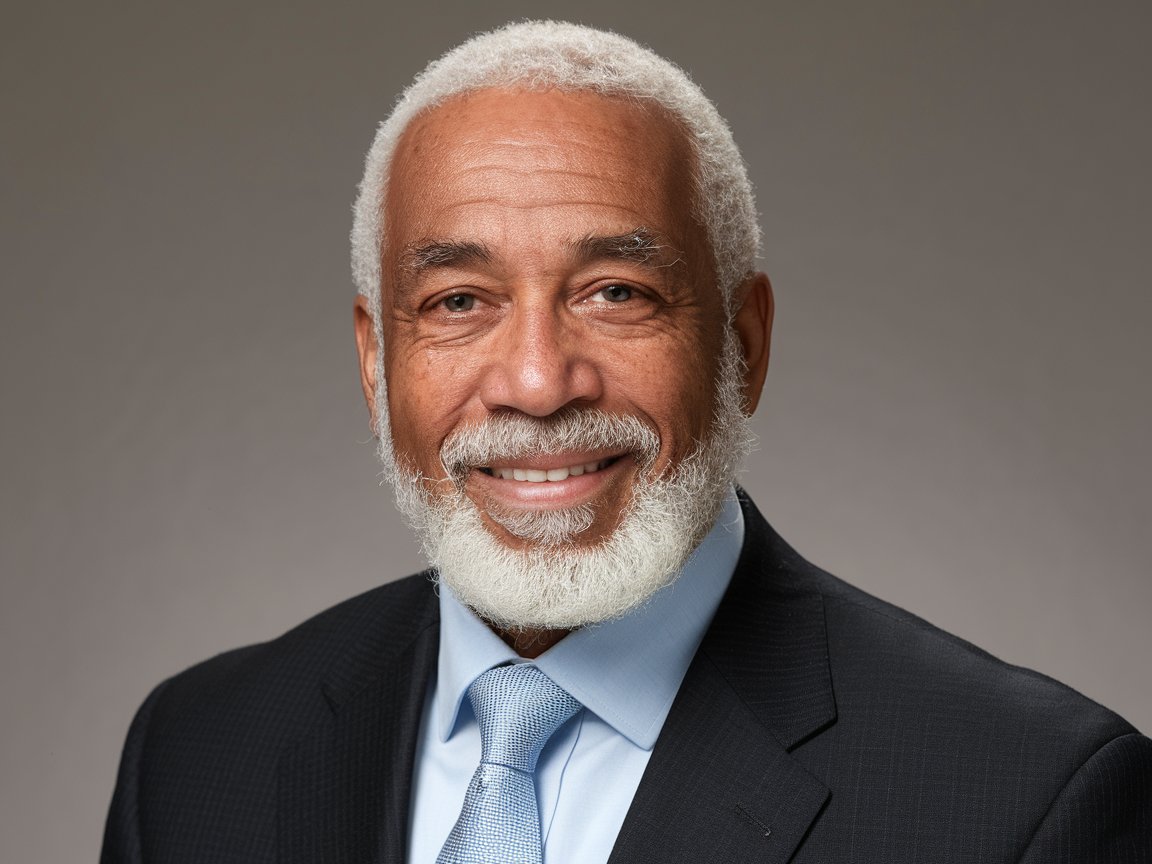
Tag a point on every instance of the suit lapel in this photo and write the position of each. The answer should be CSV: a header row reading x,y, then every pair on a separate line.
x,y
344,790
721,785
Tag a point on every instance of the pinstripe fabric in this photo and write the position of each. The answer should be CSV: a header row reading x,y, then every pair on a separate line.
x,y
1109,798
816,725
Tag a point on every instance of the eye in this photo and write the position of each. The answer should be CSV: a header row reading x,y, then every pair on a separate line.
x,y
459,302
613,294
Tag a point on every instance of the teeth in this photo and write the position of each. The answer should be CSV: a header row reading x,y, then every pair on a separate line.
x,y
552,475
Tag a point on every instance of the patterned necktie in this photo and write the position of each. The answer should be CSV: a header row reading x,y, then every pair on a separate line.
x,y
518,708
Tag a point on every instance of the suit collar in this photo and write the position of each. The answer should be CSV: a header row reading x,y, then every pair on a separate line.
x,y
721,785
383,632
769,640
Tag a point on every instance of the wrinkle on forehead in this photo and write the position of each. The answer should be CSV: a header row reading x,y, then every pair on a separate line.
x,y
628,162
448,133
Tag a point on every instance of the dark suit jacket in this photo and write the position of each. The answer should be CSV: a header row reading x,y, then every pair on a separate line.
x,y
815,724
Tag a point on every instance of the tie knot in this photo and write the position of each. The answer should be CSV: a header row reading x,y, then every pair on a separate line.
x,y
518,708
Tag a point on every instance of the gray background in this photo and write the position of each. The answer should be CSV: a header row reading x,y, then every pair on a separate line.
x,y
956,206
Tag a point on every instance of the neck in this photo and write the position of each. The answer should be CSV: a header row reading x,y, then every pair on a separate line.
x,y
529,643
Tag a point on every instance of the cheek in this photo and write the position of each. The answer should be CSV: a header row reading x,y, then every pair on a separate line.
x,y
426,401
673,387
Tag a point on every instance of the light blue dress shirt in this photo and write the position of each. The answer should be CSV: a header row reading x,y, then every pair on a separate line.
x,y
625,673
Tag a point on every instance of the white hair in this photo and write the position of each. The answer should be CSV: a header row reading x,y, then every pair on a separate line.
x,y
539,55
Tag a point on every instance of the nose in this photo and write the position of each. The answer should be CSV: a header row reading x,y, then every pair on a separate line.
x,y
541,364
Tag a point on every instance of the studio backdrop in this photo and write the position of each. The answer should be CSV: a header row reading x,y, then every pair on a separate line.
x,y
955,204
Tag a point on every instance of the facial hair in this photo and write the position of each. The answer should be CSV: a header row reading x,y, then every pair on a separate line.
x,y
554,583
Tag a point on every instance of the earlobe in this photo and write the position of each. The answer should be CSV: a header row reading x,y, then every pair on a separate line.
x,y
753,324
367,349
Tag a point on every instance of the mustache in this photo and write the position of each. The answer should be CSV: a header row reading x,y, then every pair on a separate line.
x,y
512,435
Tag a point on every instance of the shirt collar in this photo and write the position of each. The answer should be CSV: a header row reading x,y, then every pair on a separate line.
x,y
625,671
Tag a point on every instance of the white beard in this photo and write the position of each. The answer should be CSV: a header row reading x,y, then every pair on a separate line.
x,y
554,583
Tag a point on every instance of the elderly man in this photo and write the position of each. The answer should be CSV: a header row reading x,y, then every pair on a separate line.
x,y
561,335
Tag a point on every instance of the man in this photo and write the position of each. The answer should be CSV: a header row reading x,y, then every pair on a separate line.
x,y
561,335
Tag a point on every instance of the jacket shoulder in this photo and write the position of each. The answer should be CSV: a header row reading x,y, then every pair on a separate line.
x,y
923,722
276,687
199,773
880,654
883,650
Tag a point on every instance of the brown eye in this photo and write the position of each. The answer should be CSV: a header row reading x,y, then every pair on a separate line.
x,y
459,302
615,293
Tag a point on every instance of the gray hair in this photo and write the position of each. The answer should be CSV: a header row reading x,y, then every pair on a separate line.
x,y
540,55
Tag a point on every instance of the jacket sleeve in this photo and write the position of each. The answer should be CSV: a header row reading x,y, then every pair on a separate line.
x,y
1103,815
122,830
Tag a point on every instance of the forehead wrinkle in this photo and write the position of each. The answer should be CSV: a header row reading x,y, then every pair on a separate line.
x,y
539,140
537,171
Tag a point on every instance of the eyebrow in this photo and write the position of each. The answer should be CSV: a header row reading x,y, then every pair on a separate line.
x,y
422,256
638,246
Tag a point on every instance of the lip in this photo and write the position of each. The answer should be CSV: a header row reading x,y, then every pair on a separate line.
x,y
572,491
560,460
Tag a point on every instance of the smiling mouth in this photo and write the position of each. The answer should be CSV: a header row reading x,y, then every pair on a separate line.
x,y
546,475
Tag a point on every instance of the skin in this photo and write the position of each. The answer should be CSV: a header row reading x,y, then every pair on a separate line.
x,y
511,283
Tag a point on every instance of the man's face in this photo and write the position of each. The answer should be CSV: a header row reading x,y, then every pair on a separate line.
x,y
564,396
540,257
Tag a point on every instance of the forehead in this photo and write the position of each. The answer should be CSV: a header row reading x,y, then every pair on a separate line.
x,y
499,161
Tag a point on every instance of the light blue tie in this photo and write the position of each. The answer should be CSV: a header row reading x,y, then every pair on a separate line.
x,y
518,708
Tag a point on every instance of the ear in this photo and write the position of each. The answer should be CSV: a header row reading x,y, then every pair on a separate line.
x,y
753,324
367,348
